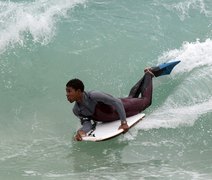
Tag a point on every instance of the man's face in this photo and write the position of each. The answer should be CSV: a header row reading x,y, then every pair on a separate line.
x,y
72,94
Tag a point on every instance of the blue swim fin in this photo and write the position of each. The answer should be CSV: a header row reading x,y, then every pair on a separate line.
x,y
164,68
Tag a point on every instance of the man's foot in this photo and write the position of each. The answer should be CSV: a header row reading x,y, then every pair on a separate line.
x,y
149,70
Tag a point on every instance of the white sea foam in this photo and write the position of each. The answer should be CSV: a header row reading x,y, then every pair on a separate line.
x,y
167,117
193,96
20,21
192,55
183,8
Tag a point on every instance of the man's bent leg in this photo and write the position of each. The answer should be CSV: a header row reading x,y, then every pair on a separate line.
x,y
144,84
135,105
136,89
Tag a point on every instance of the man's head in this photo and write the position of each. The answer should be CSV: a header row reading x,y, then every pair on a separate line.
x,y
74,90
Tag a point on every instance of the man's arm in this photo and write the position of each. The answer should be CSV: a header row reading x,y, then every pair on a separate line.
x,y
86,127
85,122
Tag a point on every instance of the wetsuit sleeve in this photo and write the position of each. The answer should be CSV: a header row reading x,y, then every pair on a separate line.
x,y
110,100
85,122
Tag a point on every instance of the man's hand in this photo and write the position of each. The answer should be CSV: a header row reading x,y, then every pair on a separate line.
x,y
124,126
79,135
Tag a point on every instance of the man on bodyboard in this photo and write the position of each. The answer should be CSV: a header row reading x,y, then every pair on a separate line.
x,y
97,106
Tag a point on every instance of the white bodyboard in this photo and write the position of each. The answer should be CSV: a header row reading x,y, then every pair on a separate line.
x,y
108,130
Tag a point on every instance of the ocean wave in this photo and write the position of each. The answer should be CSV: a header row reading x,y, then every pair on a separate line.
x,y
171,117
36,21
183,8
191,97
192,55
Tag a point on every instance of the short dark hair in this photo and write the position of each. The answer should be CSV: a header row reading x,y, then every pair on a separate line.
x,y
76,84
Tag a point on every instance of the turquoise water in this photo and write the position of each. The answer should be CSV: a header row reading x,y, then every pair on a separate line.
x,y
107,44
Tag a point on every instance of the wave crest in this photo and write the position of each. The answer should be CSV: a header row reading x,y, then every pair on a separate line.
x,y
22,21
